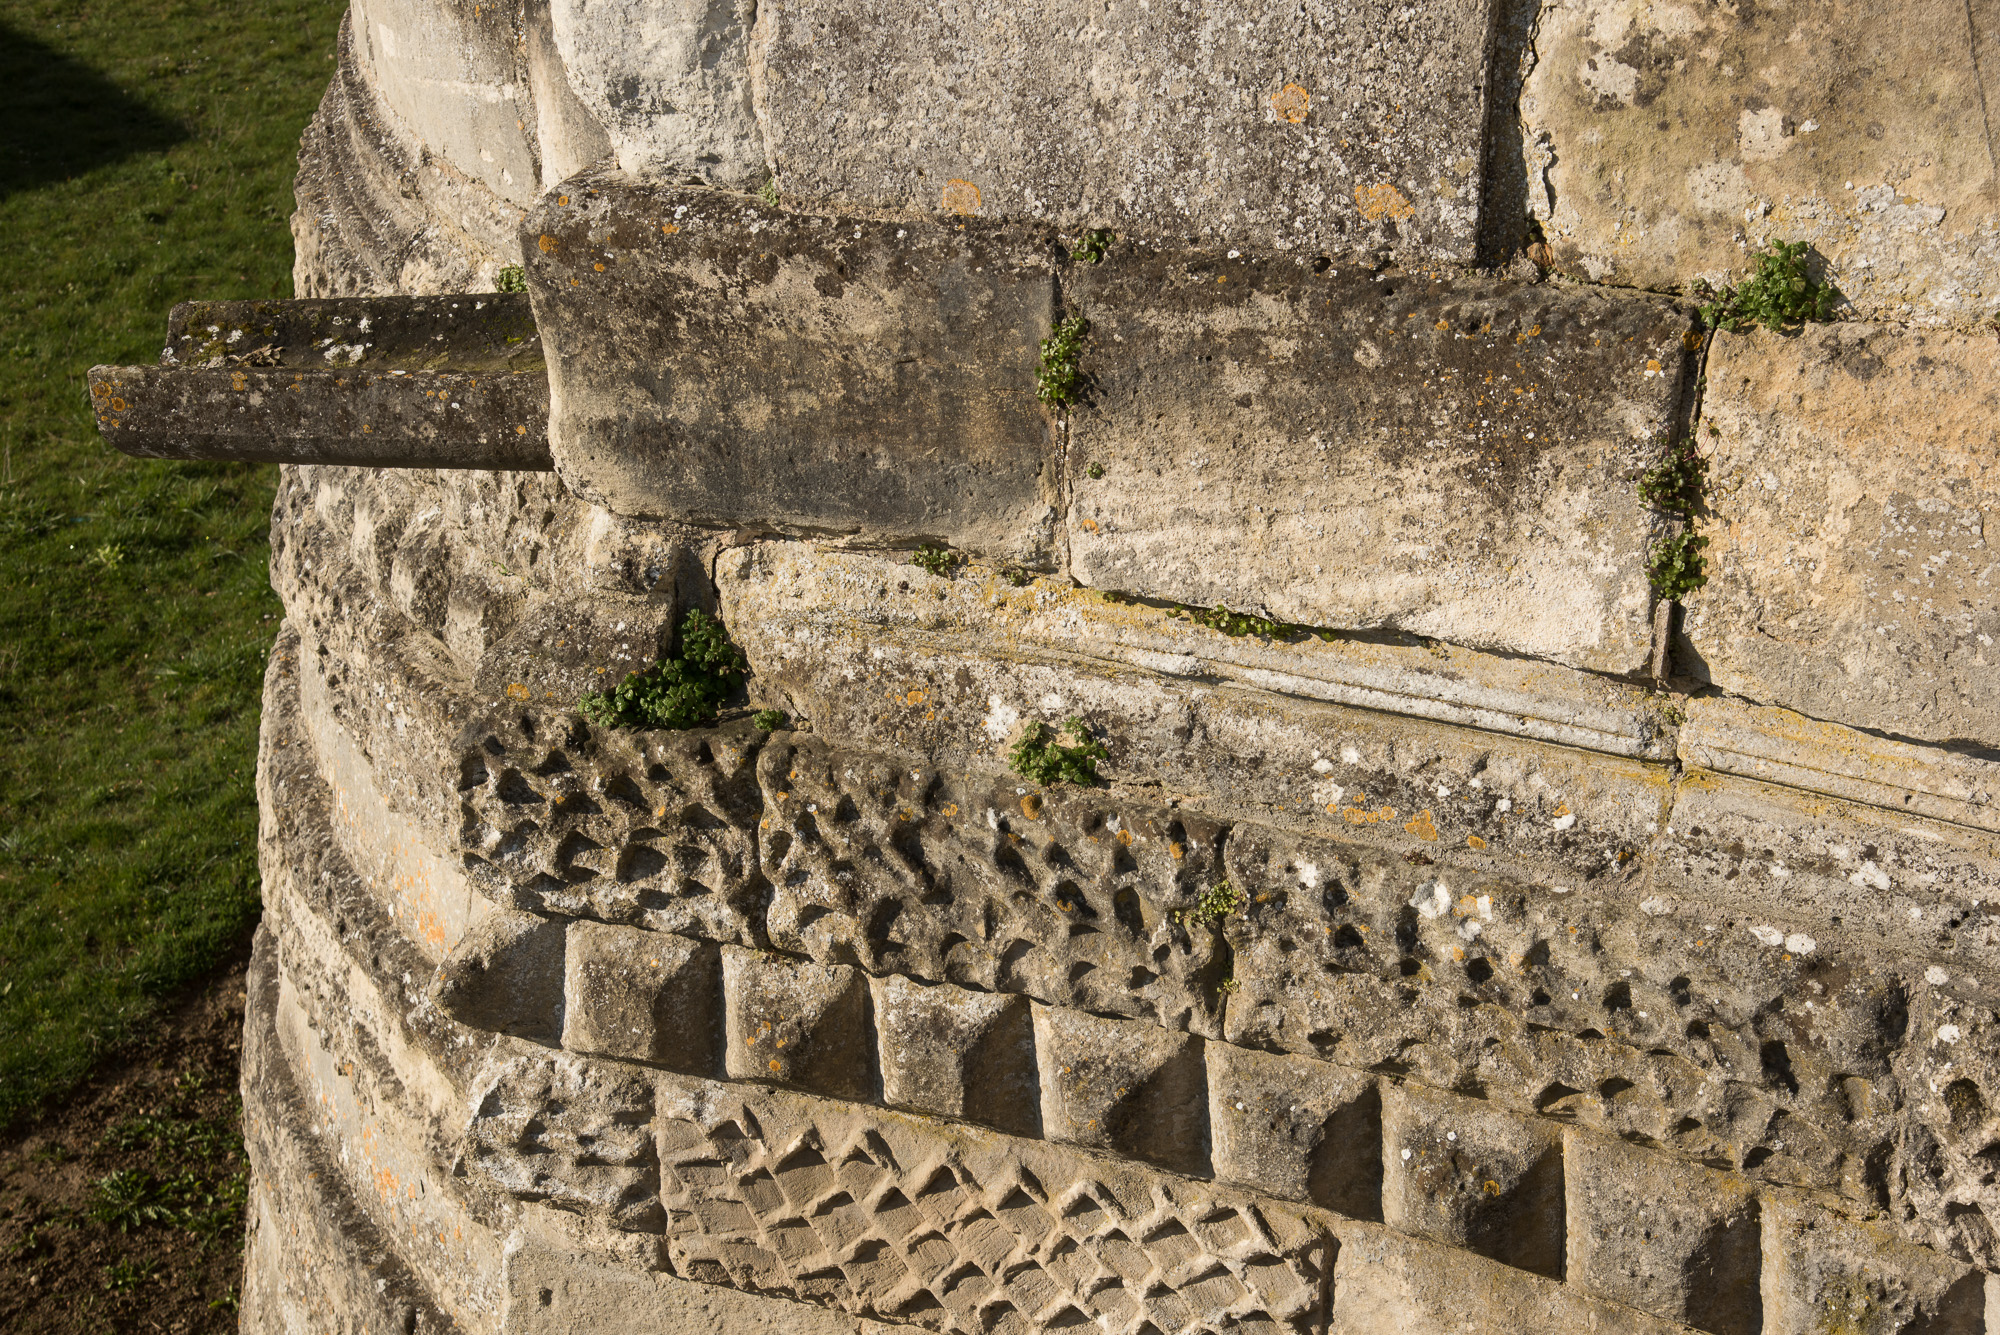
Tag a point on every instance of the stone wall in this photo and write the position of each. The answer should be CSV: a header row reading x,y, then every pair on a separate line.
x,y
1585,962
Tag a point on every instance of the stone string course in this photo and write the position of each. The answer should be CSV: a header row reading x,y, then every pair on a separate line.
x,y
1589,964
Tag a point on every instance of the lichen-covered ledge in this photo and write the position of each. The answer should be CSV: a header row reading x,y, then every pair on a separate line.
x,y
386,382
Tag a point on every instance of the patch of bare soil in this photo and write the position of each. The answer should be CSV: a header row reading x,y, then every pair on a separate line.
x,y
122,1208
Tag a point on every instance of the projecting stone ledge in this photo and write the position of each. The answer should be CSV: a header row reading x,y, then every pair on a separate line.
x,y
387,382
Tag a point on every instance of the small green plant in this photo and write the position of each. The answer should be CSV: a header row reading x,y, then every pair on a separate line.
x,y
1059,378
1042,757
1241,623
1017,577
679,692
1094,244
129,1199
1780,291
769,720
768,192
1676,566
110,555
935,560
1094,471
513,278
1678,482
1227,985
1218,901
125,1276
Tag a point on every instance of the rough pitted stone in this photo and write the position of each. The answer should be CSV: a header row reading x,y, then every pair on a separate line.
x,y
1297,1128
506,975
958,1053
1826,1273
646,996
1666,143
1853,571
1459,1172
795,1022
1122,1086
572,1132
727,363
1316,127
1663,1236
1452,458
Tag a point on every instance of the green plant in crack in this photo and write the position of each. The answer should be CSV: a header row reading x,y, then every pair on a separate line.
x,y
684,691
1059,378
1780,291
1042,756
1215,903
1676,565
1678,482
1093,245
513,278
768,192
770,720
935,560
1241,623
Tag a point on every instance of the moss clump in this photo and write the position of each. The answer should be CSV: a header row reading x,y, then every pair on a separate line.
x,y
684,691
1243,623
1218,901
513,278
1042,757
770,720
1780,291
1059,378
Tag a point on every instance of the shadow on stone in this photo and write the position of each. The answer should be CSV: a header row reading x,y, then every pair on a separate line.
x,y
59,118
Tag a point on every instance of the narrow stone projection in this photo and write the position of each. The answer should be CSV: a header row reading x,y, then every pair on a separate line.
x,y
1148,668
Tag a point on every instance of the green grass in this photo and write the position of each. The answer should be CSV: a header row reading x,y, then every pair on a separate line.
x,y
146,157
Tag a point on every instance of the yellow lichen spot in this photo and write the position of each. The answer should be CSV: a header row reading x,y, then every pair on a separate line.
x,y
1377,202
1691,340
1291,102
1031,806
914,698
1562,811
1653,365
1474,841
668,228
960,196
563,200
517,691
1458,953
117,405
99,391
776,1065
1125,838
520,431
1089,525
237,380
1492,1187
1422,827
1443,326
1176,852
949,810
548,244
598,267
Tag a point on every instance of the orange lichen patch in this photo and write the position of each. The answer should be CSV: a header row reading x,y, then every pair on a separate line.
x,y
1176,852
1125,838
563,200
517,691
1474,841
914,698
1291,102
1422,827
598,267
520,431
948,810
548,244
1363,816
99,391
668,228
237,380
960,196
1031,806
1691,340
1382,201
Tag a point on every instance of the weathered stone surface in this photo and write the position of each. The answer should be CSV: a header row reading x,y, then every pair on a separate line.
x,y
1065,897
1857,489
1386,1284
506,975
1460,1172
958,1053
1662,1235
1320,128
967,1232
645,996
723,362
1123,1086
573,1132
1297,1128
1667,143
1825,1273
1452,458
794,1022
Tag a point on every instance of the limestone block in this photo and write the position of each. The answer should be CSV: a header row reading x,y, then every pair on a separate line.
x,y
568,137
793,1022
1296,1127
1853,575
573,1132
1066,897
1461,1172
1387,1284
964,1230
648,829
505,975
1664,144
670,84
1122,1086
1317,127
958,1053
449,72
1662,1235
718,361
1448,457
646,996
1822,1272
